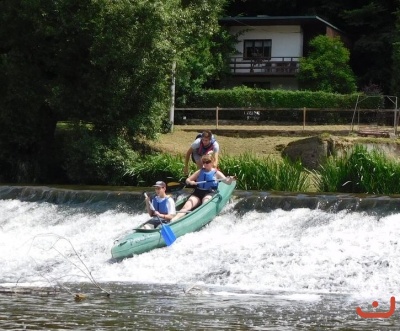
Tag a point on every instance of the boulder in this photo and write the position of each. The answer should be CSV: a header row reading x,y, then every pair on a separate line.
x,y
312,152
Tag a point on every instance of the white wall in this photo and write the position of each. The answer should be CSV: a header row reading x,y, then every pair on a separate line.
x,y
287,40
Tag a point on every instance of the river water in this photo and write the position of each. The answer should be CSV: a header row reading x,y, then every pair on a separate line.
x,y
267,262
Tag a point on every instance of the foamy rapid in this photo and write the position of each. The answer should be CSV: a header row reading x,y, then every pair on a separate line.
x,y
303,251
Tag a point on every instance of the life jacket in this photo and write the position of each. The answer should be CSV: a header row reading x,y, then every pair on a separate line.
x,y
209,177
160,205
202,150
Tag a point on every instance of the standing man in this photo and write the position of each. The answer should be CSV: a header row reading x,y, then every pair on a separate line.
x,y
205,144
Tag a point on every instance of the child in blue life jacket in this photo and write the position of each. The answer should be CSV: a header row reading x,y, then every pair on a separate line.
x,y
161,207
204,143
206,179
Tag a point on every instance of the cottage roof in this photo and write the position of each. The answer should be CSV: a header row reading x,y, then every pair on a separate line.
x,y
262,20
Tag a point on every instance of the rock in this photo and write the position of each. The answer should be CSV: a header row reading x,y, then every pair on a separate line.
x,y
312,152
280,147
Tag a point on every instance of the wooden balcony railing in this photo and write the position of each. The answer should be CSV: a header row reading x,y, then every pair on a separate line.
x,y
279,66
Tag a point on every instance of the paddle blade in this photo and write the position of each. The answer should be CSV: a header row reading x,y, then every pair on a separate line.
x,y
175,186
168,235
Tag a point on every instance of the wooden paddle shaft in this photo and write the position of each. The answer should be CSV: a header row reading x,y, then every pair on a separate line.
x,y
151,205
209,181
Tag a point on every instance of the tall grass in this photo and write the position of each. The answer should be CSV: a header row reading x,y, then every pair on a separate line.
x,y
157,167
355,171
360,171
254,173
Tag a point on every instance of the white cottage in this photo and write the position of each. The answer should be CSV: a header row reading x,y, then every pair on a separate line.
x,y
269,48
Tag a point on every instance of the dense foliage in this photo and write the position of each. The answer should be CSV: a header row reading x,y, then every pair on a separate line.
x,y
360,171
248,97
266,173
204,50
326,68
252,173
395,82
357,170
103,65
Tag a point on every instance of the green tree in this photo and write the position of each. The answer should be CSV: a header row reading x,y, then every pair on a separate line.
x,y
396,69
395,83
327,67
100,61
371,25
103,62
204,47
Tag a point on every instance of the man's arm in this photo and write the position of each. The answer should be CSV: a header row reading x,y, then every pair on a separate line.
x,y
187,158
148,207
171,209
216,154
215,159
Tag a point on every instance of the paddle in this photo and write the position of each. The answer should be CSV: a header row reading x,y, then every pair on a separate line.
x,y
166,232
175,186
231,178
212,180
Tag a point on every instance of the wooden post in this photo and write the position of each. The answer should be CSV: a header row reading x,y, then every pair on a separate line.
x,y
396,117
216,117
172,107
304,118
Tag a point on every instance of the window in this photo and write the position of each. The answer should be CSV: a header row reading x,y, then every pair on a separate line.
x,y
257,48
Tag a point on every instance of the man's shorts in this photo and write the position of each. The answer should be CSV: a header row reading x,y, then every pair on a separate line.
x,y
156,222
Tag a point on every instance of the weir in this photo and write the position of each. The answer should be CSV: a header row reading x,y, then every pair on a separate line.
x,y
370,204
131,198
267,258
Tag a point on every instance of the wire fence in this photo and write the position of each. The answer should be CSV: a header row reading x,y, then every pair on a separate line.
x,y
374,120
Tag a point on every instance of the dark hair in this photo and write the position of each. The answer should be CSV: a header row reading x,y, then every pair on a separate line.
x,y
206,134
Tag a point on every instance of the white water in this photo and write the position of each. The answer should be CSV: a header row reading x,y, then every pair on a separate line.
x,y
303,251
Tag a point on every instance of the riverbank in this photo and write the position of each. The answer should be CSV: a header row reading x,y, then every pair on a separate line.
x,y
259,140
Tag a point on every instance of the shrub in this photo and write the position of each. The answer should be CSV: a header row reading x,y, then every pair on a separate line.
x,y
250,97
359,171
92,159
265,173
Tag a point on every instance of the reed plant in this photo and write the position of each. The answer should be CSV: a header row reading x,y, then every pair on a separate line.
x,y
151,168
255,173
359,171
252,173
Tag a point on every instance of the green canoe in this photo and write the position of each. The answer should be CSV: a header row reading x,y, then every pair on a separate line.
x,y
141,240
